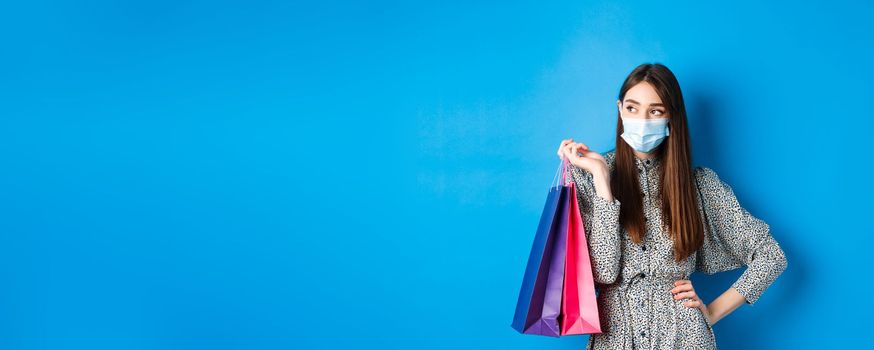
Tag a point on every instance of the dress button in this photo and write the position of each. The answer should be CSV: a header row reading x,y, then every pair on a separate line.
x,y
642,275
643,334
644,248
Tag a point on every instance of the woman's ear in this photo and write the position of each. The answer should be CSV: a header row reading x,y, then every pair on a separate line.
x,y
619,104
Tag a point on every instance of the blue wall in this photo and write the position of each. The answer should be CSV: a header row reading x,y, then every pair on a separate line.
x,y
202,175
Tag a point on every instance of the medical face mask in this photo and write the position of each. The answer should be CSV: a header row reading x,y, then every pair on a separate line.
x,y
644,134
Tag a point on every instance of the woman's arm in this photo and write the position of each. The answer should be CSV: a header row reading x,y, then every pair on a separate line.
x,y
723,305
600,212
730,300
599,209
736,238
601,181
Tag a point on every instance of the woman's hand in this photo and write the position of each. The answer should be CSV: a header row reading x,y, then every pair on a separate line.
x,y
683,289
590,161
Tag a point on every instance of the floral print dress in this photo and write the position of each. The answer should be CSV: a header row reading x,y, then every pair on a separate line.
x,y
636,307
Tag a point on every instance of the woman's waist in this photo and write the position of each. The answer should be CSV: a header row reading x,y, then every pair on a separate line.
x,y
640,278
637,288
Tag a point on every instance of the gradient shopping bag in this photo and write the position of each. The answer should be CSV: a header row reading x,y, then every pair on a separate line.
x,y
539,303
579,303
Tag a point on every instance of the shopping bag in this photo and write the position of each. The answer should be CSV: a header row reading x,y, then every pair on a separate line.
x,y
540,275
579,302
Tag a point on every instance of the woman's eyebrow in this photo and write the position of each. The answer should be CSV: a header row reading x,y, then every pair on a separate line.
x,y
652,105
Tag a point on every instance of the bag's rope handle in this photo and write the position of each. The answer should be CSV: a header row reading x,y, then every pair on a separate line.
x,y
560,177
556,175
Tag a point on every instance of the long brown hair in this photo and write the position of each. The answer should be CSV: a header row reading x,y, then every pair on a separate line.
x,y
678,191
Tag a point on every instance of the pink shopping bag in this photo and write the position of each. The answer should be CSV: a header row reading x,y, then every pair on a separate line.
x,y
579,303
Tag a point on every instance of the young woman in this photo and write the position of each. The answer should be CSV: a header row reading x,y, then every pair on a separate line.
x,y
651,220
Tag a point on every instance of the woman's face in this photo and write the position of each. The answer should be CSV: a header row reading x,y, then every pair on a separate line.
x,y
642,101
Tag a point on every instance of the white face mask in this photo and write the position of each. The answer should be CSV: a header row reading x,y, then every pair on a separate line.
x,y
644,134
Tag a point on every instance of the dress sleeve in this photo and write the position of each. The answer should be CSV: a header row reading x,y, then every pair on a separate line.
x,y
735,238
601,223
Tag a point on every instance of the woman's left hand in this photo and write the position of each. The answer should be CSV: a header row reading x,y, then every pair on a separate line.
x,y
683,289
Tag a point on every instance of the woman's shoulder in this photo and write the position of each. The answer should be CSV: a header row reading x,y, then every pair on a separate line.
x,y
702,171
609,158
713,188
706,176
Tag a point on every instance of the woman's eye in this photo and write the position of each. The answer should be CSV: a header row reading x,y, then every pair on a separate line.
x,y
657,112
631,109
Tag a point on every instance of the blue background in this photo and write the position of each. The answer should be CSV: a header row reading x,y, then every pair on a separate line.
x,y
275,175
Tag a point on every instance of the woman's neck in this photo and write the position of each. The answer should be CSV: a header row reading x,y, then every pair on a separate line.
x,y
642,155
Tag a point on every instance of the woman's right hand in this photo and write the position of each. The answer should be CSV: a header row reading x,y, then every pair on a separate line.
x,y
590,161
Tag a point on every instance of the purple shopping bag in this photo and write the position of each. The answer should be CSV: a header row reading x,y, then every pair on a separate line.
x,y
539,303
